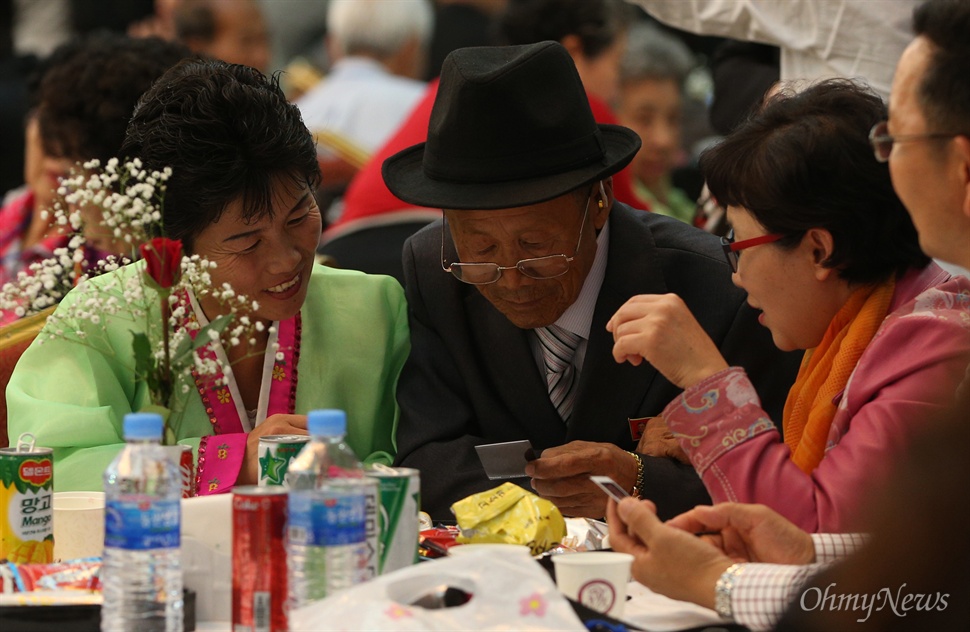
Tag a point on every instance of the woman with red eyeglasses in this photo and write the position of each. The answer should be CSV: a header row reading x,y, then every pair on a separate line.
x,y
832,260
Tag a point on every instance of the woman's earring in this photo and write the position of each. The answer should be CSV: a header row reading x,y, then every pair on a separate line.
x,y
600,203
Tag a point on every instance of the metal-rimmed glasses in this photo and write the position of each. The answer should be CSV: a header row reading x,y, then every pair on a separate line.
x,y
548,267
732,249
882,141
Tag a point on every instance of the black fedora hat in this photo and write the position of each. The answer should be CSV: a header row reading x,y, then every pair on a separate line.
x,y
510,126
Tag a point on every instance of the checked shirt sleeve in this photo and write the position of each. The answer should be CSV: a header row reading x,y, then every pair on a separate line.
x,y
830,547
762,592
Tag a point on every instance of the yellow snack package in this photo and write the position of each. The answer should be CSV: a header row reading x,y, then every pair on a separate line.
x,y
510,514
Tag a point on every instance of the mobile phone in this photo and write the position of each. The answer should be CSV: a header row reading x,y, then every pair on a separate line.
x,y
611,487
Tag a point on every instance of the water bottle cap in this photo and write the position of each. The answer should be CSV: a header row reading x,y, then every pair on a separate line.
x,y
328,422
143,426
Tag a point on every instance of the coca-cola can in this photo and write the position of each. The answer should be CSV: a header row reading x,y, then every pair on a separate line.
x,y
259,584
186,468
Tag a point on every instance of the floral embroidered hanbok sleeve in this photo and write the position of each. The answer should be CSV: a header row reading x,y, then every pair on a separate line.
x,y
717,415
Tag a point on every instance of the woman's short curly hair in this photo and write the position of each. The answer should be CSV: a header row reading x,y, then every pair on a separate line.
x,y
228,133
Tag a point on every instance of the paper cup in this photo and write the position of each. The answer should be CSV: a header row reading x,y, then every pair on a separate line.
x,y
493,548
596,579
78,525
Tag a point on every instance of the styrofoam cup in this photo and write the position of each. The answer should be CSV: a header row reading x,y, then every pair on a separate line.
x,y
78,525
596,579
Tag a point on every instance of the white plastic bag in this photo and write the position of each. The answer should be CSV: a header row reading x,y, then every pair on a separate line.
x,y
506,594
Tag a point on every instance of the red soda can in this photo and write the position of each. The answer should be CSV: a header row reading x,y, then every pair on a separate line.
x,y
259,588
187,470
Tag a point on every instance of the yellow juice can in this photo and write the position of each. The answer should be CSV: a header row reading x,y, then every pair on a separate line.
x,y
26,503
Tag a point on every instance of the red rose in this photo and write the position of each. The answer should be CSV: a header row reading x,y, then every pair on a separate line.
x,y
164,259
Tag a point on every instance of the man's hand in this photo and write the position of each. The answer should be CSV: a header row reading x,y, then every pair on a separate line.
x,y
657,440
667,560
749,533
561,475
276,424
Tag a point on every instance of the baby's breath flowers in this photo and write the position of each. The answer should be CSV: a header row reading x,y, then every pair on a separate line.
x,y
152,295
128,197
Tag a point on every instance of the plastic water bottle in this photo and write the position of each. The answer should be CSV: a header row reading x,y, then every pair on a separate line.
x,y
141,575
326,539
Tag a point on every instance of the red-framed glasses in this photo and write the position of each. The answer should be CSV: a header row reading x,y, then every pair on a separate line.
x,y
732,249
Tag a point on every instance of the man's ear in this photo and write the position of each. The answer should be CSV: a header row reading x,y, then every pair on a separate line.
x,y
602,193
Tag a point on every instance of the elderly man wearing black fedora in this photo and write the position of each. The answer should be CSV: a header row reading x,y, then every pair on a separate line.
x,y
509,296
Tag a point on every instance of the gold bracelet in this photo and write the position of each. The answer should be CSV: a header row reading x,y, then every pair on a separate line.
x,y
638,486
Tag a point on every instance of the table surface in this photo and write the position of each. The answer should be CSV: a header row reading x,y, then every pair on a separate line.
x,y
208,571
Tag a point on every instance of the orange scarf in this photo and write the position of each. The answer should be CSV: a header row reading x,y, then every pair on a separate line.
x,y
825,371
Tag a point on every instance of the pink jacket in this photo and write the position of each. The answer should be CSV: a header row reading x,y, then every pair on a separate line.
x,y
910,369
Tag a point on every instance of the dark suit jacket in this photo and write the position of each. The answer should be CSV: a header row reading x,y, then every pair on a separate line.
x,y
472,379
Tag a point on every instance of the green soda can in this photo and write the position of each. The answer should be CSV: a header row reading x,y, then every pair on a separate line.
x,y
275,454
399,489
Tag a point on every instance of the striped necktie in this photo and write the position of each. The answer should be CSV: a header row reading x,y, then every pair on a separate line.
x,y
558,347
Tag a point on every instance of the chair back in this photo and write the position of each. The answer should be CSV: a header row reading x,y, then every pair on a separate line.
x,y
374,244
14,340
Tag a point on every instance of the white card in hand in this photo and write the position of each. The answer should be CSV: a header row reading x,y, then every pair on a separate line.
x,y
505,460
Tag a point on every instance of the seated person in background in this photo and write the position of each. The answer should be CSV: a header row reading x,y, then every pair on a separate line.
x,y
233,31
243,169
24,233
650,103
540,255
378,51
78,115
833,262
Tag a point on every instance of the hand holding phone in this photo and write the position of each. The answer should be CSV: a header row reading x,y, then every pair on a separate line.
x,y
610,487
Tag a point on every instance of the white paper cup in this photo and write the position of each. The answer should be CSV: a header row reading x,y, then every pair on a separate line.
x,y
492,548
78,525
596,579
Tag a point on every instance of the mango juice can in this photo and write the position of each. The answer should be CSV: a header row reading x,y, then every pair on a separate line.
x,y
275,454
399,489
26,503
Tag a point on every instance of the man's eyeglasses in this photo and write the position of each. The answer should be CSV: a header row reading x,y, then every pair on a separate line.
x,y
882,141
548,267
732,249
